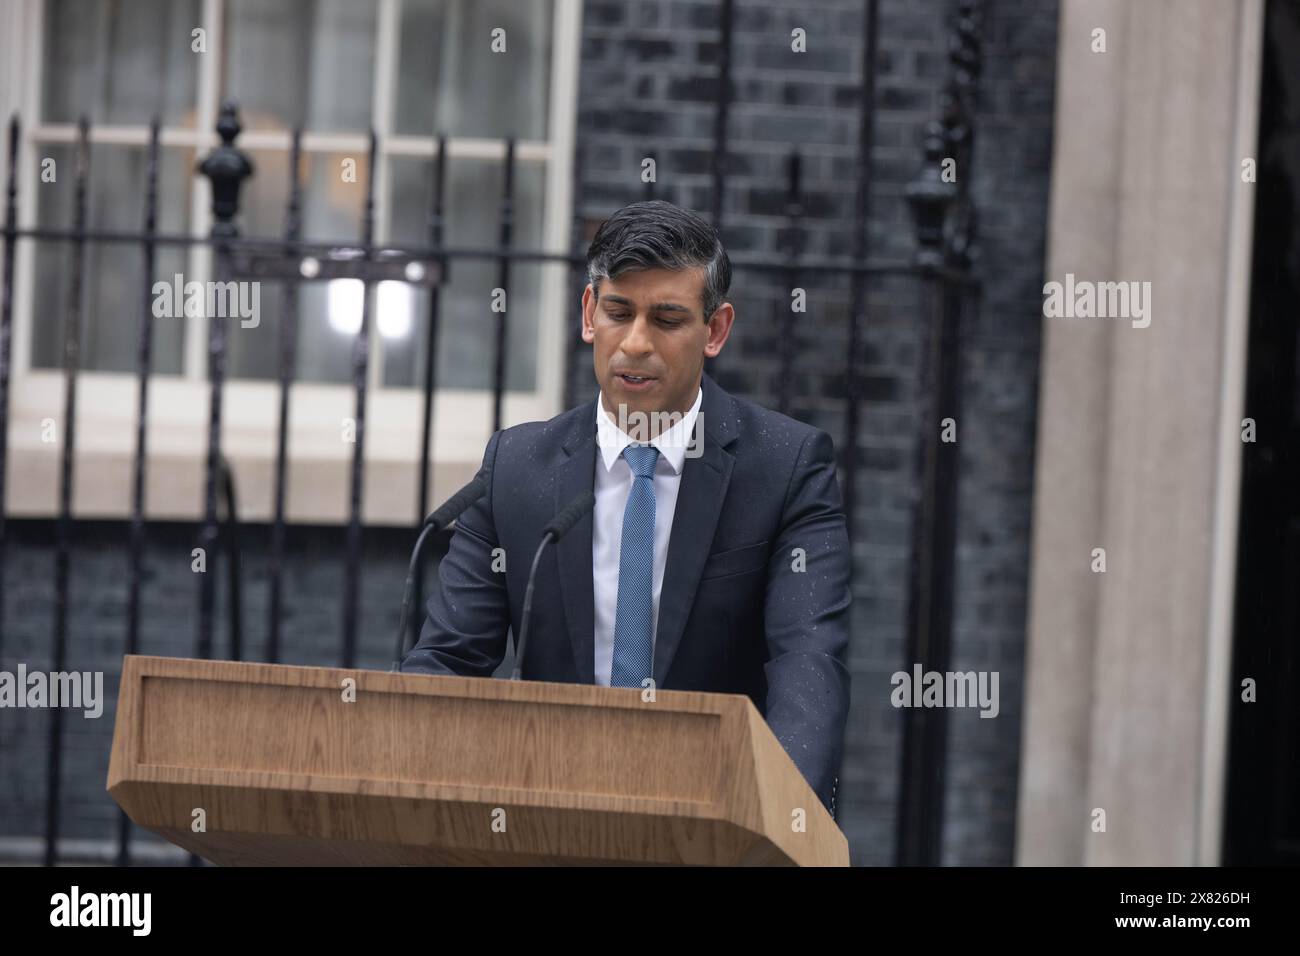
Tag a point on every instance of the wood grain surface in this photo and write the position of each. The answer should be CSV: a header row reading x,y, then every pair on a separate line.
x,y
284,765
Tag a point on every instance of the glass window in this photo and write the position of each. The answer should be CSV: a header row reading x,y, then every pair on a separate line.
x,y
121,62
332,209
309,64
114,283
450,80
467,324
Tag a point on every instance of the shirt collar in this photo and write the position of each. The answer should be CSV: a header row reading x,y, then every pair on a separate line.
x,y
672,443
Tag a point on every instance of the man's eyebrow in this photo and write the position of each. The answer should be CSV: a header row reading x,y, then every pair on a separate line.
x,y
657,307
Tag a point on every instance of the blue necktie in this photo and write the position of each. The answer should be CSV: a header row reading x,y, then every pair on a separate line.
x,y
633,641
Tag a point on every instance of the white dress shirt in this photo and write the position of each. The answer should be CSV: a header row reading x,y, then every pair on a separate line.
x,y
612,486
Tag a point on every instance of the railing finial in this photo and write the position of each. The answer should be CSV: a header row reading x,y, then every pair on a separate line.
x,y
226,168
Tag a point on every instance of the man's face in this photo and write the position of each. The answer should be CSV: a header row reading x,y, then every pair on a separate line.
x,y
651,339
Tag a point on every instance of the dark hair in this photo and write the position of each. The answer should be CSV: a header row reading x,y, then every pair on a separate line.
x,y
655,234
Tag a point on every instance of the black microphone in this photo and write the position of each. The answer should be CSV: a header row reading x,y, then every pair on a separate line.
x,y
456,505
560,525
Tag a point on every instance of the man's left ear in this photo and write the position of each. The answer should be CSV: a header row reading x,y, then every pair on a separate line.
x,y
719,329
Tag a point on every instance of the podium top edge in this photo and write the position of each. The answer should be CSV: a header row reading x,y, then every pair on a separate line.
x,y
324,676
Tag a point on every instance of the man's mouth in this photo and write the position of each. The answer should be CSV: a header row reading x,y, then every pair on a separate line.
x,y
635,379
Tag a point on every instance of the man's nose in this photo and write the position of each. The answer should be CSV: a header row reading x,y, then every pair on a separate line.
x,y
637,341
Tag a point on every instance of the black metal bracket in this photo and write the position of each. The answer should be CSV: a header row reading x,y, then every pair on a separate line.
x,y
339,262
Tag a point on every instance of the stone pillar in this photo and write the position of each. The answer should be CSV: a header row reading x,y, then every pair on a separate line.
x,y
1138,435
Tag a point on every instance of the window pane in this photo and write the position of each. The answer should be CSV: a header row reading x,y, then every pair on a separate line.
x,y
306,63
113,274
121,62
332,209
333,200
467,324
451,81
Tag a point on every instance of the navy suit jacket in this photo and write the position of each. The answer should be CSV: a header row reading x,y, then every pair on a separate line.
x,y
755,595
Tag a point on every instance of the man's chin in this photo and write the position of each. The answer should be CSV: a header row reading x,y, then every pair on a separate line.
x,y
633,409
622,405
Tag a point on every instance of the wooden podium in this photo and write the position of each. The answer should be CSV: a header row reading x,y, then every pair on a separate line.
x,y
263,764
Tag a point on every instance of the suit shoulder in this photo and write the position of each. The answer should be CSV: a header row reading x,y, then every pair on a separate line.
x,y
527,438
772,430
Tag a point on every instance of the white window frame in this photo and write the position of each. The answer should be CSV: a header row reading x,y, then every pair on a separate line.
x,y
319,459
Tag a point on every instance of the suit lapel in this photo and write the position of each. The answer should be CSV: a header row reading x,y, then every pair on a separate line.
x,y
699,502
578,474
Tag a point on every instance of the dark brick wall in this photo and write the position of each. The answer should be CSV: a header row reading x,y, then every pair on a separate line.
x,y
647,88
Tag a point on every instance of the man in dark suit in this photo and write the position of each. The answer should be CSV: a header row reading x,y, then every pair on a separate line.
x,y
716,558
